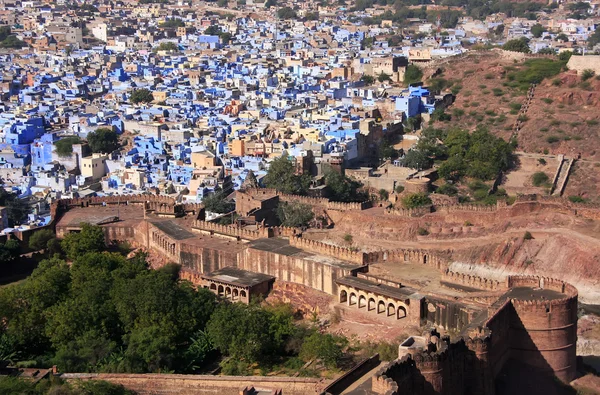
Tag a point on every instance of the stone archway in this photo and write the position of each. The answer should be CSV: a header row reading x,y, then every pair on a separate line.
x,y
343,296
362,301
372,304
227,292
236,294
391,310
401,312
242,294
213,286
353,300
221,290
381,307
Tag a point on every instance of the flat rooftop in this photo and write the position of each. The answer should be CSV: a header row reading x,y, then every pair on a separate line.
x,y
100,214
233,275
283,247
381,289
529,293
173,230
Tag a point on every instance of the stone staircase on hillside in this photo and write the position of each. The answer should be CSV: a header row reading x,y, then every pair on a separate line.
x,y
562,175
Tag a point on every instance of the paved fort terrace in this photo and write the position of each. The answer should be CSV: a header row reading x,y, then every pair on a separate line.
x,y
529,319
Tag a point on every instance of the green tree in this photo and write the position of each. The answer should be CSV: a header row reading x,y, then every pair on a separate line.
x,y
9,251
173,23
416,200
416,159
383,77
11,41
90,239
104,140
286,13
537,30
217,203
281,176
166,46
16,209
213,30
243,332
412,74
517,45
593,39
564,38
39,240
294,214
64,146
326,347
342,189
367,79
142,95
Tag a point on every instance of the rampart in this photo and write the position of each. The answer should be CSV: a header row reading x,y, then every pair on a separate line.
x,y
312,201
232,231
581,63
472,281
539,331
409,212
443,368
409,255
146,384
343,253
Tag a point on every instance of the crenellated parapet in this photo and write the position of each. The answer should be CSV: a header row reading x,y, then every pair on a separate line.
x,y
472,281
478,208
231,230
285,231
160,205
435,259
309,200
410,212
342,253
390,377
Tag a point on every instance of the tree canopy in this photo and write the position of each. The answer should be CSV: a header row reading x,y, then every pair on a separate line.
x,y
294,214
479,154
142,95
16,209
412,74
106,313
341,188
217,203
517,45
286,13
281,176
64,146
104,140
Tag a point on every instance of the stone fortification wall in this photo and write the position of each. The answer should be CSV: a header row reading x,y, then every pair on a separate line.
x,y
540,332
544,332
436,259
409,212
472,281
313,201
580,63
318,247
318,274
231,230
454,368
146,384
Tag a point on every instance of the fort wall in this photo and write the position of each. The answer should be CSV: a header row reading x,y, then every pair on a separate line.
x,y
315,274
146,384
313,201
342,253
472,281
232,230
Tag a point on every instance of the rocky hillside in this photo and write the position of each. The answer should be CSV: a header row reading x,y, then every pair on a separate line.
x,y
562,117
